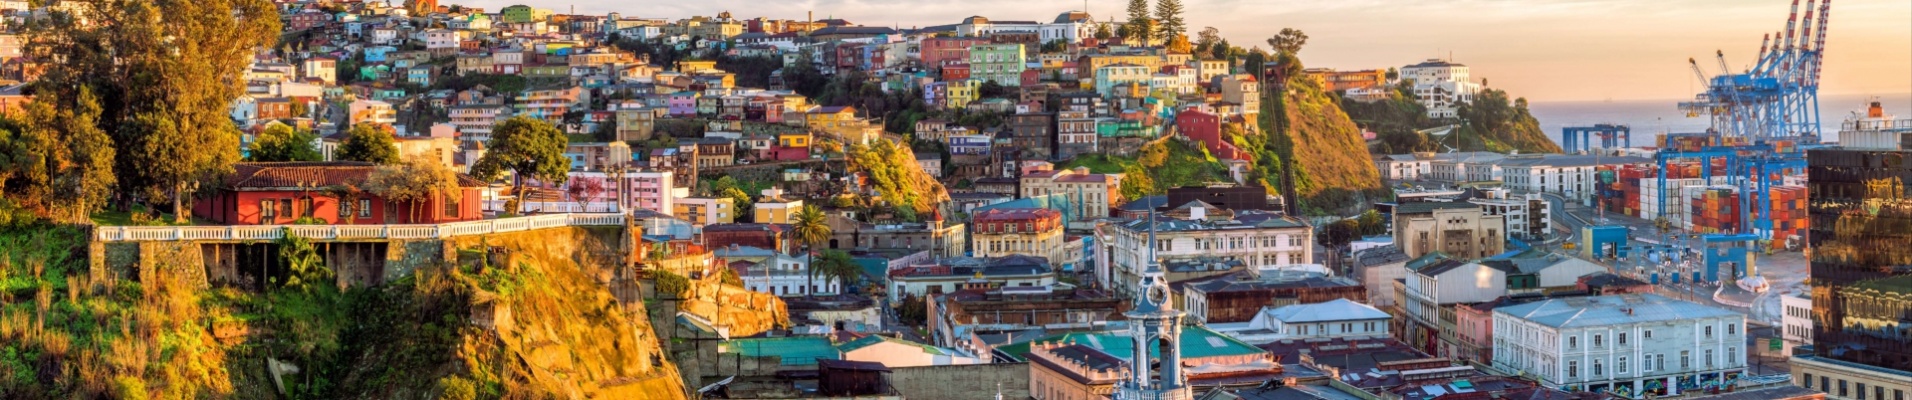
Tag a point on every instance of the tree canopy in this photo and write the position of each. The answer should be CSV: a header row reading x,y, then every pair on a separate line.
x,y
369,143
281,142
57,162
1168,14
526,147
165,73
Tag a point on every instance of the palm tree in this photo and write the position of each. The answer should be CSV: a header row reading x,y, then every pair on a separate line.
x,y
812,229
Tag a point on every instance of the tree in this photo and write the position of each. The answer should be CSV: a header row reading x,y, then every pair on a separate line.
x,y
1178,44
1372,223
729,277
1222,49
1288,41
417,181
528,148
369,143
811,228
837,264
741,202
1140,27
1340,233
304,269
1205,40
585,190
57,161
165,73
280,142
1168,15
1102,32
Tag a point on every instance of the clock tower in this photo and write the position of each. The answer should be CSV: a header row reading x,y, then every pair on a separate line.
x,y
1155,326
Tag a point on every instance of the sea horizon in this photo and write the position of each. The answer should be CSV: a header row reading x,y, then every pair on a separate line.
x,y
1649,117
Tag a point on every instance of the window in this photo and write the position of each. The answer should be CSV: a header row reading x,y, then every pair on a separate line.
x,y
1573,369
1659,361
345,209
1842,388
1732,353
266,211
1596,368
451,204
1647,334
1878,392
1596,342
1622,340
1709,358
1709,331
1732,329
285,208
1686,359
1806,383
1621,366
305,206
1573,342
1862,390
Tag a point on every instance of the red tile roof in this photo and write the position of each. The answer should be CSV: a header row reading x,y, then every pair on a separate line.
x,y
276,175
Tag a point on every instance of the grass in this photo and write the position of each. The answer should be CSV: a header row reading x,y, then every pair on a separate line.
x,y
127,218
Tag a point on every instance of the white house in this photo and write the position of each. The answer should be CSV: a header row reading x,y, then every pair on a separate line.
x,y
1628,345
785,275
1796,318
1332,319
1441,86
1528,215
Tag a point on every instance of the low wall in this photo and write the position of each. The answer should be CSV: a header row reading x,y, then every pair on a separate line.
x,y
976,381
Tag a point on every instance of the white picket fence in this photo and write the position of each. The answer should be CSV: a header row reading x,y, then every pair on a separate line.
x,y
353,232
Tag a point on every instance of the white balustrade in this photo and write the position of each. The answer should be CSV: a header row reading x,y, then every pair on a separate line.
x,y
351,232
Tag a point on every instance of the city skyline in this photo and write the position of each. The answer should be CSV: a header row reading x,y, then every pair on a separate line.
x,y
1546,51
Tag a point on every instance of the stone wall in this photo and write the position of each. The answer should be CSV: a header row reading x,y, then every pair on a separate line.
x,y
976,381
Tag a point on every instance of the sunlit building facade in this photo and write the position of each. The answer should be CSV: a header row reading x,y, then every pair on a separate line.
x,y
1862,275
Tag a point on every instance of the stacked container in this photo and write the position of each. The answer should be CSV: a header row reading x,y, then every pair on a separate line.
x,y
1716,210
1788,213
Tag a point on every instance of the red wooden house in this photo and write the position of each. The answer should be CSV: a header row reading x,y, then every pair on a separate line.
x,y
282,192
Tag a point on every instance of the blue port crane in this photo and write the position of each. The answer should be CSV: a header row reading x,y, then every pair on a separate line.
x,y
1574,139
1778,97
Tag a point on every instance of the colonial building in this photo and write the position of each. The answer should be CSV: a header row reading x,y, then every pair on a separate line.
x,y
272,193
1022,231
1091,194
1627,345
1460,230
1330,319
951,275
1256,239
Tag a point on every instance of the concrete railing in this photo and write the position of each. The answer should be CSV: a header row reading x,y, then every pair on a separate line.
x,y
351,232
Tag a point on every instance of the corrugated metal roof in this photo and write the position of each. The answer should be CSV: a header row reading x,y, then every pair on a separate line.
x,y
1610,310
794,350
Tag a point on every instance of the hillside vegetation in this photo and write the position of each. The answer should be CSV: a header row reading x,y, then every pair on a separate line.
x,y
902,183
1163,164
67,331
1493,124
1333,172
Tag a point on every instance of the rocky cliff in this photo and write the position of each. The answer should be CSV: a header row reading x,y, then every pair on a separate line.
x,y
1333,172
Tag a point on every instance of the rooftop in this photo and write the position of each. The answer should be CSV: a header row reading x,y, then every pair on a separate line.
x,y
1610,310
1196,342
1427,207
1333,310
794,350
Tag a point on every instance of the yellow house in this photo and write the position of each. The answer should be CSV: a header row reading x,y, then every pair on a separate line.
x,y
705,210
793,140
695,66
772,208
829,117
960,93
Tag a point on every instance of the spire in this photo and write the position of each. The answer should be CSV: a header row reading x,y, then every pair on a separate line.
x,y
1154,265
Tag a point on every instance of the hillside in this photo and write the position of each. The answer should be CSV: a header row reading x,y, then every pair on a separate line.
x,y
1162,164
892,168
1494,124
1334,173
443,331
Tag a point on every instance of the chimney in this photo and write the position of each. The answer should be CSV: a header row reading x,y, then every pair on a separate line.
x,y
1875,111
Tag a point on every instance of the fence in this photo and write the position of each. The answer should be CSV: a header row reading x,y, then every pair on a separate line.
x,y
352,232
555,207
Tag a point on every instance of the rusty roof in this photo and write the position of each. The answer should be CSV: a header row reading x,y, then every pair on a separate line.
x,y
276,175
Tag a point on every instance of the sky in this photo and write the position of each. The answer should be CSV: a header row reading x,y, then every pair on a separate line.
x,y
1545,50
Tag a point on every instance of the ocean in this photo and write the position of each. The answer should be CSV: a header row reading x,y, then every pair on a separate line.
x,y
1652,117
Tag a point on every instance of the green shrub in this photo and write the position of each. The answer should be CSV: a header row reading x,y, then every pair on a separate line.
x,y
456,388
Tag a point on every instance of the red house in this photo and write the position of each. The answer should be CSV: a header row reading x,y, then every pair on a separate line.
x,y
1207,128
282,192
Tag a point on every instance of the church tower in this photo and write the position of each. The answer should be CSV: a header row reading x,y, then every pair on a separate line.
x,y
1155,326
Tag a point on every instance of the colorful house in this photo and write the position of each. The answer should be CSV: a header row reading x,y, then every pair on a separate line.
x,y
283,192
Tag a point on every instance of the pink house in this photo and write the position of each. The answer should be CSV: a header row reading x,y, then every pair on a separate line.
x,y
1207,128
683,104
940,51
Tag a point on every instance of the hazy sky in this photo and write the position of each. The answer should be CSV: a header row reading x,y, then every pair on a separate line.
x,y
1545,50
